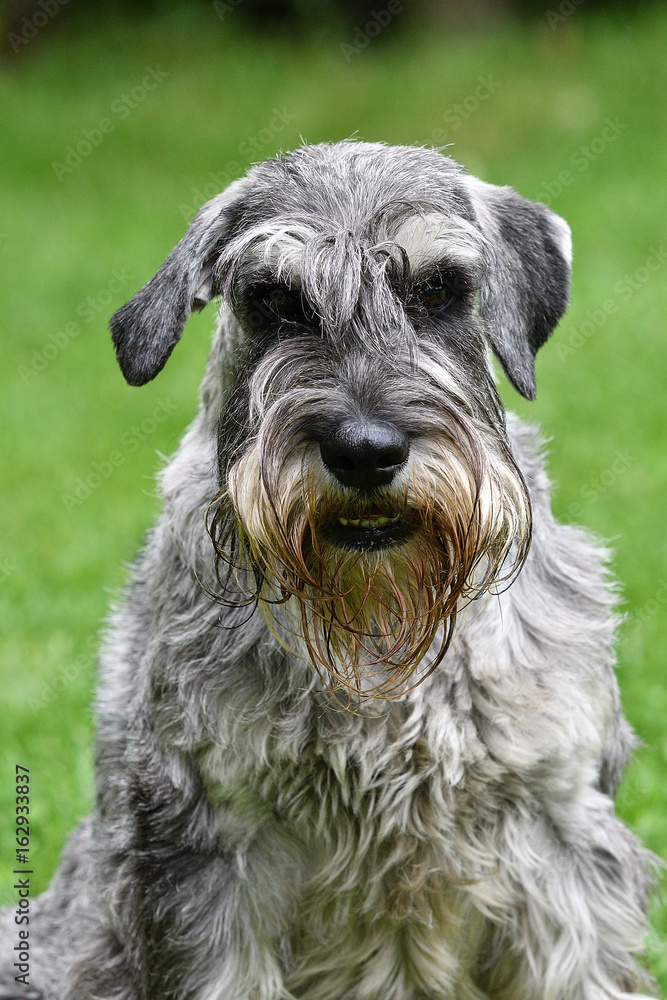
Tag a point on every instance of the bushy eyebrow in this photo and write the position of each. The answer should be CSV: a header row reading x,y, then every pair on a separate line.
x,y
436,243
331,268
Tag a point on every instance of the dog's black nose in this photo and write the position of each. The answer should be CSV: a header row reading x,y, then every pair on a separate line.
x,y
365,453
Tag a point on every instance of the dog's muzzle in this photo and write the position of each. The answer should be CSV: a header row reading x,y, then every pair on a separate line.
x,y
365,455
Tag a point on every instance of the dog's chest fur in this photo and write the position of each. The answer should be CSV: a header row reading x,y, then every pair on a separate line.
x,y
388,828
400,792
366,813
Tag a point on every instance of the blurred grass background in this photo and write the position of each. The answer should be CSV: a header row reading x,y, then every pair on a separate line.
x,y
572,112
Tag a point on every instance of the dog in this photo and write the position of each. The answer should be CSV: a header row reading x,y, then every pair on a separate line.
x,y
359,732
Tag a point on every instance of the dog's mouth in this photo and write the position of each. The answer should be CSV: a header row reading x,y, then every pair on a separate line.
x,y
367,530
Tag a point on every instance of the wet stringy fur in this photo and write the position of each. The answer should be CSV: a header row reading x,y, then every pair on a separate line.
x,y
358,611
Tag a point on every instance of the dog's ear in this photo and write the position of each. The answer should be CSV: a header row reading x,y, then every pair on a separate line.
x,y
526,287
147,328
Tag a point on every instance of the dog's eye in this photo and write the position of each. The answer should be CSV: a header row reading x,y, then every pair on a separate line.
x,y
264,306
267,303
436,295
285,303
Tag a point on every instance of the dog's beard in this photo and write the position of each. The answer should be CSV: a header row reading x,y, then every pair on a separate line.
x,y
373,615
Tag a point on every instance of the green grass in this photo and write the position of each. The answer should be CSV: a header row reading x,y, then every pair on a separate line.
x,y
601,386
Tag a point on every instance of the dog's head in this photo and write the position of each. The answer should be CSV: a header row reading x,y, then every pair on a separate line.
x,y
366,480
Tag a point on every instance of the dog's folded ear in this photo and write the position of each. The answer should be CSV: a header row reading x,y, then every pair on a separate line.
x,y
146,329
526,287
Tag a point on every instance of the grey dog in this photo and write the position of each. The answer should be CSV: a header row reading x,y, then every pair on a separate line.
x,y
359,728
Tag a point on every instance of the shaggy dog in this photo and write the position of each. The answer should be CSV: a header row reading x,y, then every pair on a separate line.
x,y
359,729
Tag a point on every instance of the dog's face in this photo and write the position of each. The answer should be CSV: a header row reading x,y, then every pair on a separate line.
x,y
365,475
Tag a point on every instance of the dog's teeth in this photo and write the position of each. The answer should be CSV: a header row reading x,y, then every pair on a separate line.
x,y
374,521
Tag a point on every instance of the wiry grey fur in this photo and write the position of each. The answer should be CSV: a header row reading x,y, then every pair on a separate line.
x,y
255,838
